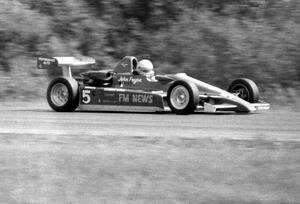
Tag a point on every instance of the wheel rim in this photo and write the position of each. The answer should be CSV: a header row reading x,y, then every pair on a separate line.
x,y
179,97
241,91
59,94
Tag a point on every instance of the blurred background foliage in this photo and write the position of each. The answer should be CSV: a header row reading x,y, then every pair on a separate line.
x,y
213,40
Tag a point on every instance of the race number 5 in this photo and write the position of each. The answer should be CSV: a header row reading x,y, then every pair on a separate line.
x,y
86,98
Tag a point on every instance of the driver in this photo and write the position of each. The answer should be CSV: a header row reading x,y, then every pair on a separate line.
x,y
145,67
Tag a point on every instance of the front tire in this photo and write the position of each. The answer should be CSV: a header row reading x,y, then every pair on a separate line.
x,y
62,94
183,97
246,89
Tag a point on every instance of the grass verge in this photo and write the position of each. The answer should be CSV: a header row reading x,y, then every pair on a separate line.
x,y
36,169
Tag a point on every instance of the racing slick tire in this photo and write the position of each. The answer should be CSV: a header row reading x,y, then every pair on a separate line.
x,y
245,89
183,97
63,95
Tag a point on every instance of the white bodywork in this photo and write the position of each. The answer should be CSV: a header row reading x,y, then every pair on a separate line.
x,y
67,62
230,100
73,62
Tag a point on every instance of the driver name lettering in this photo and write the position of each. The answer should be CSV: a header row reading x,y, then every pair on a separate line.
x,y
136,98
130,79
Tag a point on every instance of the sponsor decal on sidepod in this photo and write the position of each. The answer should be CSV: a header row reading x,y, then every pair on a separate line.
x,y
136,98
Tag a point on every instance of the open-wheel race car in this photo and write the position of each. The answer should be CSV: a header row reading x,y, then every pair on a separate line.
x,y
133,86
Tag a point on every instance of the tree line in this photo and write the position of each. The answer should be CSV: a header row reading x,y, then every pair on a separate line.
x,y
213,40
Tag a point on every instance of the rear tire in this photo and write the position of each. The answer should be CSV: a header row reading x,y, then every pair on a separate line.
x,y
62,94
183,97
246,89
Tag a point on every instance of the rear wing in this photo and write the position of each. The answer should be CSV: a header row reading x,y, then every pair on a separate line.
x,y
64,62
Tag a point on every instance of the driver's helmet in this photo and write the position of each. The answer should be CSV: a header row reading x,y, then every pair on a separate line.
x,y
145,67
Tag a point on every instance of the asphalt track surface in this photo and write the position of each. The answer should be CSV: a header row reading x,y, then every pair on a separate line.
x,y
39,119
